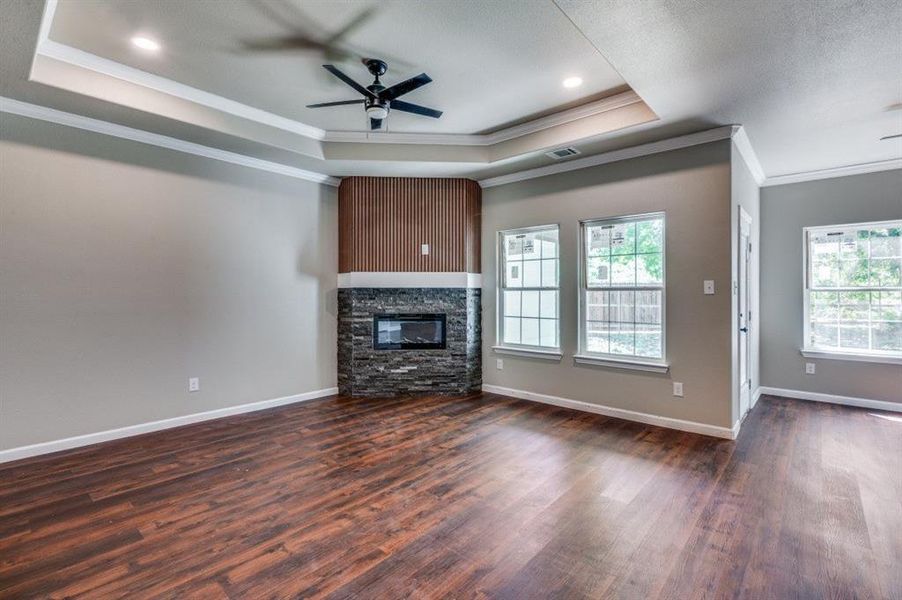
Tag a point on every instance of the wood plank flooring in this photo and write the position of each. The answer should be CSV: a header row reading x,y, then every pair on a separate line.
x,y
474,497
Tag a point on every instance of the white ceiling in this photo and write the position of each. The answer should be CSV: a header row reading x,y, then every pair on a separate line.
x,y
813,83
490,65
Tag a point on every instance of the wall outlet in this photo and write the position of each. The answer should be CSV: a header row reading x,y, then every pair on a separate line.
x,y
193,384
809,368
709,287
499,363
424,249
678,389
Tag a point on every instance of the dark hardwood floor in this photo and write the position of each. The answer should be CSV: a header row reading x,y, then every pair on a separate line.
x,y
482,496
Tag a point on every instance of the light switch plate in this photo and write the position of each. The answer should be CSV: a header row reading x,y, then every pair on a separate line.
x,y
424,249
709,287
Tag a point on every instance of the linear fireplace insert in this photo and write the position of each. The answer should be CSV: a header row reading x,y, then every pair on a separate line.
x,y
416,331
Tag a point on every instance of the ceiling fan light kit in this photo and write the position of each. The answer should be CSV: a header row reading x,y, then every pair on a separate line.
x,y
377,99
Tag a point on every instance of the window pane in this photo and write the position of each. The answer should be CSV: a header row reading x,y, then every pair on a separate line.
x,y
648,341
530,332
854,306
514,274
531,304
623,270
511,304
548,307
886,243
886,272
598,240
598,272
888,336
824,306
531,273
623,239
650,269
548,333
549,272
853,336
886,306
597,337
511,330
548,243
622,338
650,236
825,335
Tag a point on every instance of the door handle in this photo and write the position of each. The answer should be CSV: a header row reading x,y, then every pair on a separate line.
x,y
744,329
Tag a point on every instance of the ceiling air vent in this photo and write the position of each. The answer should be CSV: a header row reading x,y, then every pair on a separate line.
x,y
560,153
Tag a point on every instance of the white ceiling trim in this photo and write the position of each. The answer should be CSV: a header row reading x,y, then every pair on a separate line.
x,y
79,58
683,141
488,139
92,62
43,113
744,146
860,169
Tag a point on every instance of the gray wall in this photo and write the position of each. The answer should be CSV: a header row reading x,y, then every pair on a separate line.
x,y
746,193
693,187
786,209
125,269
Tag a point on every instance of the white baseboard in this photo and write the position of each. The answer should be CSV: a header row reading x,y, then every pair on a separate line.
x,y
729,433
131,430
833,399
755,397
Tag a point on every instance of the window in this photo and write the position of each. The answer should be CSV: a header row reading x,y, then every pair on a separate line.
x,y
622,299
528,306
853,289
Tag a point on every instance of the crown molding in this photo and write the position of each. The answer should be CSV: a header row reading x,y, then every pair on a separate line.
x,y
744,146
489,139
43,113
92,62
676,143
859,169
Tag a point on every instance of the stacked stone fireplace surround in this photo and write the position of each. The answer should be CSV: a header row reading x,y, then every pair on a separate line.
x,y
443,214
364,371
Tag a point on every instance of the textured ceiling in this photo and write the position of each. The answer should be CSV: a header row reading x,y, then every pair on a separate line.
x,y
812,81
490,65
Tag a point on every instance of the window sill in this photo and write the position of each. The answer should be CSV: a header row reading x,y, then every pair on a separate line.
x,y
616,363
872,358
528,352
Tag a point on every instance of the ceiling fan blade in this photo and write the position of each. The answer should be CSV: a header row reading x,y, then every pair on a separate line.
x,y
286,43
334,70
399,89
339,103
361,18
415,109
375,124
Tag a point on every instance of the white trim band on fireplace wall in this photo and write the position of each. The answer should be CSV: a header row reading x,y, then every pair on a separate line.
x,y
408,279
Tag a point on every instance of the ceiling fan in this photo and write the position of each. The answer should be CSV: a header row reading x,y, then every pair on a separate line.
x,y
378,99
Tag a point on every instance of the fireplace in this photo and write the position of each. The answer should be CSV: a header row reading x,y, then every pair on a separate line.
x,y
414,331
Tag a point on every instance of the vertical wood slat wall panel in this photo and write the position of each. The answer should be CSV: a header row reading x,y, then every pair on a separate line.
x,y
383,220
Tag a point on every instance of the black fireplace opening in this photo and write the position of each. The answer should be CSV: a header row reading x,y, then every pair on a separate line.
x,y
414,331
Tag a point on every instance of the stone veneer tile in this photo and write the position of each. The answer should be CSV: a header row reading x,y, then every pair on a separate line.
x,y
363,371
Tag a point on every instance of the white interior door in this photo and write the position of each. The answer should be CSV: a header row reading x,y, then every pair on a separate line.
x,y
744,316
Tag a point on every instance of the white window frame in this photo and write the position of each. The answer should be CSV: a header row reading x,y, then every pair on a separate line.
x,y
808,351
623,361
525,349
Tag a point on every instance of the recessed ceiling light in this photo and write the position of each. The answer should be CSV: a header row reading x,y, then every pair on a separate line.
x,y
572,82
145,43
